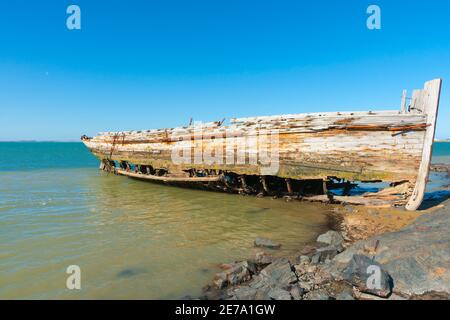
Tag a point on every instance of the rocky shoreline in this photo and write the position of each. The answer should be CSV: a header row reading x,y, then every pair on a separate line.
x,y
409,262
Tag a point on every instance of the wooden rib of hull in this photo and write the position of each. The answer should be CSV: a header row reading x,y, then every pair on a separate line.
x,y
389,145
167,178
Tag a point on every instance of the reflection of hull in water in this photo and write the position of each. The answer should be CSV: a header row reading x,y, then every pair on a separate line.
x,y
315,153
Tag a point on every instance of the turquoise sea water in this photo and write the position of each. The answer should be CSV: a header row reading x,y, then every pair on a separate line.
x,y
131,239
441,152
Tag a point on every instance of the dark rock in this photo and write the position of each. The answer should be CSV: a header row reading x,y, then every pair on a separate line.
x,y
362,272
279,294
315,259
266,243
278,274
263,259
331,237
239,272
326,253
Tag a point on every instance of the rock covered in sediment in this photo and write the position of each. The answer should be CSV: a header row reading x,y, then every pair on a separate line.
x,y
331,237
266,243
368,276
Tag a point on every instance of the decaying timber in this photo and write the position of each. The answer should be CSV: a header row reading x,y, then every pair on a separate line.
x,y
316,153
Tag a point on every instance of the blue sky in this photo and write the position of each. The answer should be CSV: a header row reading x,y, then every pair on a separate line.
x,y
142,65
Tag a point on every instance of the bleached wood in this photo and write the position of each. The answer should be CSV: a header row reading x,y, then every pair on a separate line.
x,y
403,105
165,178
428,101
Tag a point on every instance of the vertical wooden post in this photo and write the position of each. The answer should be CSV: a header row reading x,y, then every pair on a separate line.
x,y
324,187
243,183
428,101
288,186
403,106
264,184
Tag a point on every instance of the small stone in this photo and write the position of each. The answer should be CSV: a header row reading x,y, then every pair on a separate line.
x,y
304,260
266,243
279,294
306,286
331,237
238,272
262,258
326,253
311,269
300,269
220,280
315,258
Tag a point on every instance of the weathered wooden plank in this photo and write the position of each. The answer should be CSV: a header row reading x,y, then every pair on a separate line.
x,y
403,104
167,178
428,102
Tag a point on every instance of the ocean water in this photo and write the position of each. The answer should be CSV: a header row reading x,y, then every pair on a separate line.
x,y
441,152
131,239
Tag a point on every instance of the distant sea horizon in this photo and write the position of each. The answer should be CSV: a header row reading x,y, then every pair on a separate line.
x,y
78,140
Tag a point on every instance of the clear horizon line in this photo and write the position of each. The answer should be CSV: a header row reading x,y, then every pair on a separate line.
x,y
75,140
44,140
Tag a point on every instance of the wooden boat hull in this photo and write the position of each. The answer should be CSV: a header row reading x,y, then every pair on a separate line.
x,y
391,146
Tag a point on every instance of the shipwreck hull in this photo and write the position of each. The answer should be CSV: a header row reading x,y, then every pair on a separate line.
x,y
277,153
